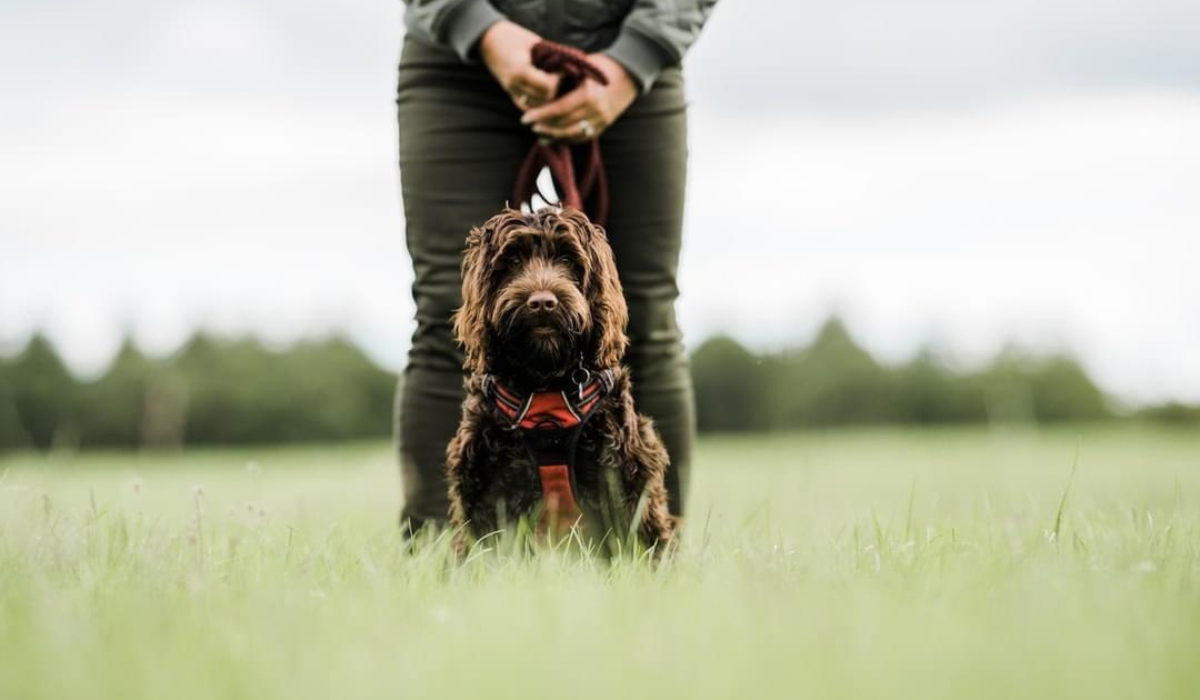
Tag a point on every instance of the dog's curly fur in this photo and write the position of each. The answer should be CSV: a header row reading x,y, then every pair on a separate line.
x,y
620,460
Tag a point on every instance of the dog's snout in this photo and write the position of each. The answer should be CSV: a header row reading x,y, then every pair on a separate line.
x,y
541,301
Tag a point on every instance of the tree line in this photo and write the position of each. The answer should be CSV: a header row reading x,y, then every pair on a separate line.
x,y
212,391
833,381
227,391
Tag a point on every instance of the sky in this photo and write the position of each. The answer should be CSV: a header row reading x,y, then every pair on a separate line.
x,y
966,176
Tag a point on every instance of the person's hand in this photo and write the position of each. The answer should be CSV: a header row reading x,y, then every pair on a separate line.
x,y
506,48
589,109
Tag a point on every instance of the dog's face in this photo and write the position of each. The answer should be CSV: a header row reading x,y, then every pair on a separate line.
x,y
540,294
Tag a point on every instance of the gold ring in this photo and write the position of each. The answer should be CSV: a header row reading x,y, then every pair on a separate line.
x,y
586,127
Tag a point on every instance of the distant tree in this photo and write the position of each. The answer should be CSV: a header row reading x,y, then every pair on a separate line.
x,y
46,396
925,391
12,431
1019,388
730,386
238,391
113,405
832,382
1062,391
1006,388
1171,413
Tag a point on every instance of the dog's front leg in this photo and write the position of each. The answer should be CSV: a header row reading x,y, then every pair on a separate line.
x,y
467,474
644,463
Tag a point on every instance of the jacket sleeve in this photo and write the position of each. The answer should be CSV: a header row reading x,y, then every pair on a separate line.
x,y
657,34
457,24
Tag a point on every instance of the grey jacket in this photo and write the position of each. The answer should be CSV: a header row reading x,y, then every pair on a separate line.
x,y
644,36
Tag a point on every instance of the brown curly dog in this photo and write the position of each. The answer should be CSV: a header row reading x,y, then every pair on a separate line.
x,y
549,432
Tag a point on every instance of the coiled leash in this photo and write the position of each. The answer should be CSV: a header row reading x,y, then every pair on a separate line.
x,y
560,157
550,423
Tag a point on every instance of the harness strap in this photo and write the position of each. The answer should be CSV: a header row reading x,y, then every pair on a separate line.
x,y
559,508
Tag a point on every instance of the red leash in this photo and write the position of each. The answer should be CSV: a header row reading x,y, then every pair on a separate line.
x,y
592,188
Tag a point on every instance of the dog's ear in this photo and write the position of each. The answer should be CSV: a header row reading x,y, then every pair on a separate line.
x,y
610,314
470,321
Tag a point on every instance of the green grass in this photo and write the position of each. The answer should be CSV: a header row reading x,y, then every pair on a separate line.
x,y
838,565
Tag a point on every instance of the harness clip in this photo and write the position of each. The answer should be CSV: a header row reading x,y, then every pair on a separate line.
x,y
581,377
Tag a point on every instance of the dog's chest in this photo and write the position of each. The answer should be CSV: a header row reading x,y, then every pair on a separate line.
x,y
593,466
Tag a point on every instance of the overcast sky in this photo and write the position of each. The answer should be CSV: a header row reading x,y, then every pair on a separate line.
x,y
966,174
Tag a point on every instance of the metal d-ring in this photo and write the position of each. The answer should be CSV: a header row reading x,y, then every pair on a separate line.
x,y
581,377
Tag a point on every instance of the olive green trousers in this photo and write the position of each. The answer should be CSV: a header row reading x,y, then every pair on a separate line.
x,y
461,143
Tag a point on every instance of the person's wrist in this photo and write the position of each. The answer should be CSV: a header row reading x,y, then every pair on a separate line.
x,y
504,43
641,57
492,36
612,69
465,25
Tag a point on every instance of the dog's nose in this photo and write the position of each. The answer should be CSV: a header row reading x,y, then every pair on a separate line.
x,y
542,301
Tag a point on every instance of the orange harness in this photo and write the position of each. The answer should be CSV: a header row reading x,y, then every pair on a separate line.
x,y
550,423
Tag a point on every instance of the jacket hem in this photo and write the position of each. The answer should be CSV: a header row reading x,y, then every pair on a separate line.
x,y
639,55
465,24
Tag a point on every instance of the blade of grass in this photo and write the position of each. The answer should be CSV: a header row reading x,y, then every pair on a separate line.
x,y
912,496
1062,504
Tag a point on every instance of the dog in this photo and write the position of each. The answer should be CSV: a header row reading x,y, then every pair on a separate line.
x,y
549,432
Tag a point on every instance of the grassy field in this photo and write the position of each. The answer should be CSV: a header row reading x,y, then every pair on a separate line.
x,y
833,565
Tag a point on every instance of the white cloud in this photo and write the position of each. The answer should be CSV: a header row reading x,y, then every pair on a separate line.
x,y
1065,223
224,34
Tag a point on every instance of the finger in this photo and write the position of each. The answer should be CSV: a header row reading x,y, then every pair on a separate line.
x,y
555,132
576,133
537,100
584,111
543,84
572,100
522,100
520,97
538,86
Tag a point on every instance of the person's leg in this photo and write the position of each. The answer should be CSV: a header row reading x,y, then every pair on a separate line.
x,y
461,143
645,156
